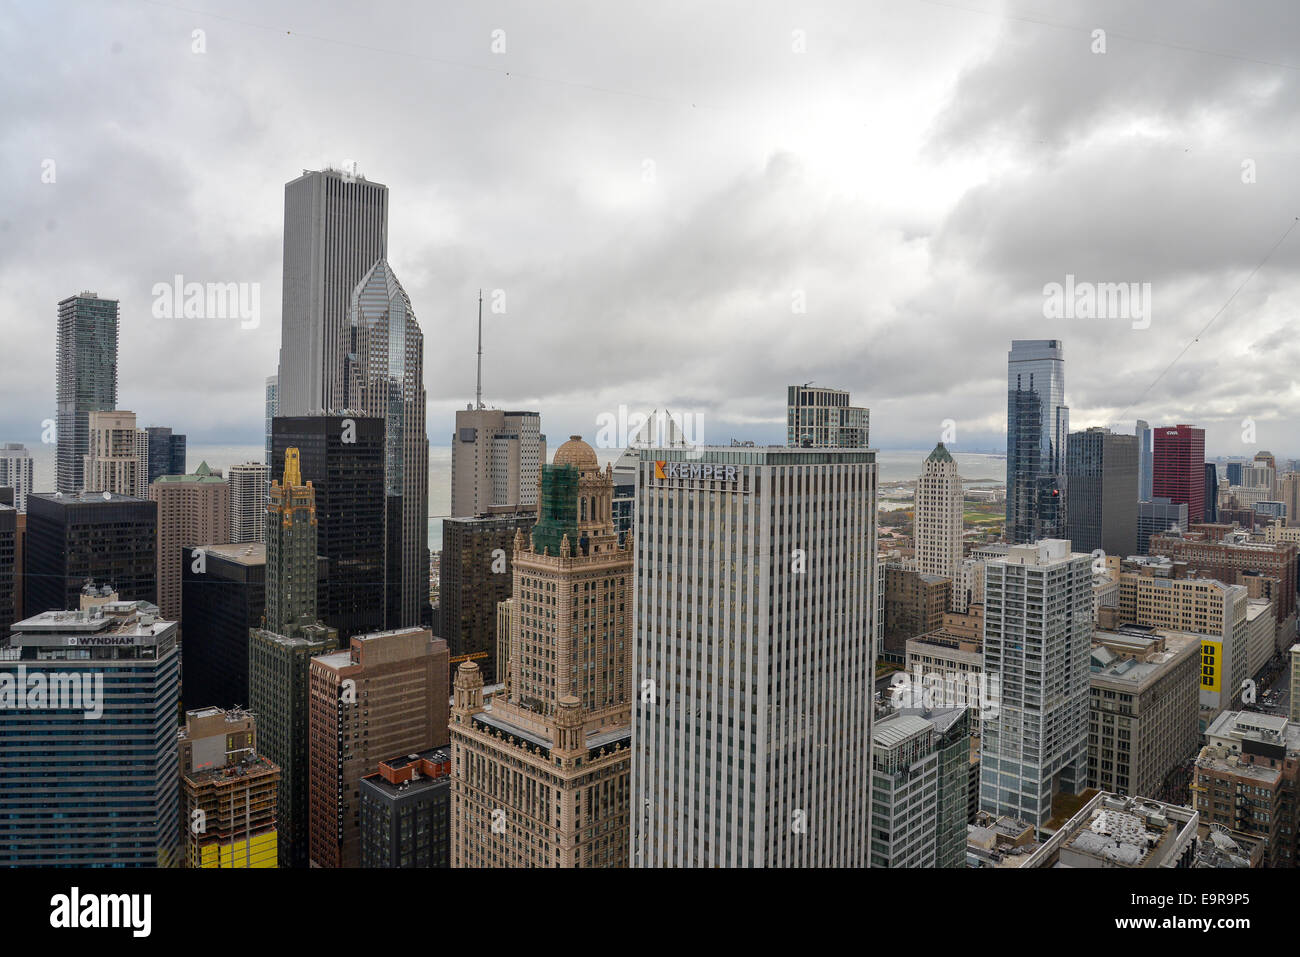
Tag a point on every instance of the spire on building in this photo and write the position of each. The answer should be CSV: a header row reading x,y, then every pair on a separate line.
x,y
292,470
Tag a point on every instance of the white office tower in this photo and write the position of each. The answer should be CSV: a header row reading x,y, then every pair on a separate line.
x,y
247,502
754,607
939,513
272,410
495,458
335,230
967,585
16,470
1037,643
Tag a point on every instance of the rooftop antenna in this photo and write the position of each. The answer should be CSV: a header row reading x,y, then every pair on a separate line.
x,y
478,387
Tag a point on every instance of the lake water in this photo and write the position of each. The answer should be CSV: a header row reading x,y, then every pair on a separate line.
x,y
895,466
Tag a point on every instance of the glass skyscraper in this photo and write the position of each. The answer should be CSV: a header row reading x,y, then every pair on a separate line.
x,y
384,378
1144,460
1038,426
85,379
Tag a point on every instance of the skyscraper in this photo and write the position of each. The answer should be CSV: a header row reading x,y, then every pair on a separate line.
x,y
248,497
1037,642
279,654
166,452
110,539
384,694
291,550
1143,432
86,378
9,567
476,573
495,456
192,509
1158,516
822,418
113,461
384,378
1211,492
343,458
335,230
103,792
16,469
921,763
278,695
224,597
272,410
1038,427
939,514
755,577
1178,468
564,721
1102,472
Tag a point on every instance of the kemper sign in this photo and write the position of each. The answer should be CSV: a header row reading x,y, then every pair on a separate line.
x,y
695,470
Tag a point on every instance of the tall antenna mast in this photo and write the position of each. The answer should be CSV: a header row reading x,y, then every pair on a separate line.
x,y
478,386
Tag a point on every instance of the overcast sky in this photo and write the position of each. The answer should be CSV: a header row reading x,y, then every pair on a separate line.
x,y
658,189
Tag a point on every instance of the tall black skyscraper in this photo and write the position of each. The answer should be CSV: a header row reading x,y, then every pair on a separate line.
x,y
166,452
343,457
8,566
1102,471
1212,492
101,536
1038,427
224,596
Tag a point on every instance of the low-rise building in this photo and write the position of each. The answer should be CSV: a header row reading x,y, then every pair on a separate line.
x,y
1245,780
1115,831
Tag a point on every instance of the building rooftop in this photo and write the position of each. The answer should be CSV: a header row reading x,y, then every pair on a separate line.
x,y
201,475
245,553
1110,830
120,618
940,454
83,498
893,731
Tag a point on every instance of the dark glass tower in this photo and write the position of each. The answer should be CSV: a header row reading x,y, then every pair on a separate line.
x,y
166,453
478,573
101,536
1102,469
1038,426
343,458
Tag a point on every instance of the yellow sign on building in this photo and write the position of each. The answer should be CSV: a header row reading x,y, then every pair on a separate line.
x,y
1211,665
260,851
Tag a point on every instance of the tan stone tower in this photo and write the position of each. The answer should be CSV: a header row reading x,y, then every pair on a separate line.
x,y
540,773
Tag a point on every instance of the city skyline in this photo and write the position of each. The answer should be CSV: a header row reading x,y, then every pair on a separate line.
x,y
930,497
933,241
